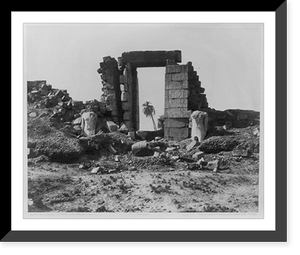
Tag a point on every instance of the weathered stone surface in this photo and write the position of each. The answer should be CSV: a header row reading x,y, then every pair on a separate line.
x,y
176,103
216,144
176,93
176,133
177,68
123,96
179,76
176,123
176,84
150,58
126,106
177,113
123,79
198,155
127,115
112,126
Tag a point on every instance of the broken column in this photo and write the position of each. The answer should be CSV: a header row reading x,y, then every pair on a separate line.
x,y
199,125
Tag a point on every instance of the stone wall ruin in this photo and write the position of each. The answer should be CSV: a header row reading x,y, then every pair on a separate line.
x,y
183,91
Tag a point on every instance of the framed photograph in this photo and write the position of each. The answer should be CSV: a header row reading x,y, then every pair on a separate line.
x,y
143,129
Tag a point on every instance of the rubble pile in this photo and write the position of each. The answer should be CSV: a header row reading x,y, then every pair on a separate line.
x,y
64,130
65,111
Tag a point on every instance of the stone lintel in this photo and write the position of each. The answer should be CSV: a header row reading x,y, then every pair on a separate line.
x,y
150,58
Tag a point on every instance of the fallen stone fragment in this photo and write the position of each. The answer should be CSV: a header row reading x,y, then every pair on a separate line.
x,y
142,149
95,170
198,155
132,168
113,127
240,152
171,149
193,144
123,129
111,149
85,166
256,132
32,114
210,165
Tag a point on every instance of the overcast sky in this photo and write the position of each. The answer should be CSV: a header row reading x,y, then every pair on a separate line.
x,y
227,57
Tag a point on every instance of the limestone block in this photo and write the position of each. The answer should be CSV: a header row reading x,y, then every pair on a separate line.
x,y
127,115
150,58
112,126
177,113
176,123
175,68
177,93
177,133
176,84
180,76
124,96
176,103
126,106
123,79
199,124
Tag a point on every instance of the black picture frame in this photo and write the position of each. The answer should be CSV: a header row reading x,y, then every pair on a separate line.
x,y
278,235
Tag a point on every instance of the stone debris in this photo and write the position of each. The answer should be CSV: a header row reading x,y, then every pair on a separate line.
x,y
94,124
95,170
193,144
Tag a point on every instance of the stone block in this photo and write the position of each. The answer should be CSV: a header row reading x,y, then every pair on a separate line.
x,y
124,96
176,103
177,93
175,68
150,58
126,106
176,123
180,76
177,113
179,68
168,77
176,84
176,133
127,115
128,124
123,79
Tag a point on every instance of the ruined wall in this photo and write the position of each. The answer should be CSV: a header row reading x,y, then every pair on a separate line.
x,y
111,88
183,94
129,97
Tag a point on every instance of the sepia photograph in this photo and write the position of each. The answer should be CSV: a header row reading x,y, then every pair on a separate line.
x,y
143,120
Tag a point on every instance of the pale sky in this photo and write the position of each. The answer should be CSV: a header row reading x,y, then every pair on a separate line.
x,y
227,57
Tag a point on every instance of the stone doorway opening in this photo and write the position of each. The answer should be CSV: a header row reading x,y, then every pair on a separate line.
x,y
151,82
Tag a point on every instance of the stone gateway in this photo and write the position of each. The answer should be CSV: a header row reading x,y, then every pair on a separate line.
x,y
183,91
